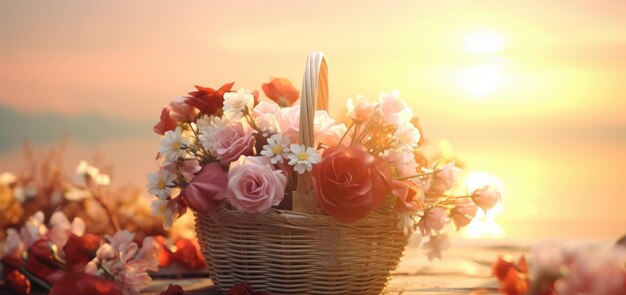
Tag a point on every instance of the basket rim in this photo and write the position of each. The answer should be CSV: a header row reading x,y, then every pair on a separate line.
x,y
379,217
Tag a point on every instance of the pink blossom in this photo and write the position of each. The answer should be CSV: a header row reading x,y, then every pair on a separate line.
x,y
180,111
149,253
202,193
403,162
360,109
289,122
266,107
331,135
34,229
394,110
463,213
14,246
189,168
254,186
433,220
443,180
486,197
233,141
436,245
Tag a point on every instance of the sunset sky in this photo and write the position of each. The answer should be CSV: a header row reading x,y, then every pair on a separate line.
x,y
529,91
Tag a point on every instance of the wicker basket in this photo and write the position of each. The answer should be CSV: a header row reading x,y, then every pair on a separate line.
x,y
287,252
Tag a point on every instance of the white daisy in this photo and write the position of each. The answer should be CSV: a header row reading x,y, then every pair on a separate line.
x,y
160,208
407,136
302,158
160,183
277,148
236,102
173,145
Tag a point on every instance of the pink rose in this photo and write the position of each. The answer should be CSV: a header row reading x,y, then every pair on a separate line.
x,y
254,186
232,142
409,196
486,197
394,110
326,130
201,194
443,180
181,111
433,221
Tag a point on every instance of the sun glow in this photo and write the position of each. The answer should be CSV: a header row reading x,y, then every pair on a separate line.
x,y
484,224
483,43
482,80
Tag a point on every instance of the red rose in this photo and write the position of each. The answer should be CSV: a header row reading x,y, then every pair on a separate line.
x,y
208,100
77,283
173,290
188,254
79,251
166,123
349,182
41,262
281,91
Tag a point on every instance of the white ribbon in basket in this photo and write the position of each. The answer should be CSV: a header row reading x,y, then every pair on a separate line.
x,y
314,97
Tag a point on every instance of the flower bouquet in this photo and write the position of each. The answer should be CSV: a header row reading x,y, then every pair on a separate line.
x,y
293,202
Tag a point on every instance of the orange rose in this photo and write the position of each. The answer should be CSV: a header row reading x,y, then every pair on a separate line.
x,y
349,182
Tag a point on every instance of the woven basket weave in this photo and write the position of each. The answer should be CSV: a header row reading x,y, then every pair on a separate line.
x,y
287,252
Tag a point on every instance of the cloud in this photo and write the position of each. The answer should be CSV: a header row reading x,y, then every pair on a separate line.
x,y
17,127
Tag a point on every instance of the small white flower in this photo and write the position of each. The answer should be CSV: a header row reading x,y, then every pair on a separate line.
x,y
407,136
406,223
268,124
235,103
203,121
302,158
277,148
160,183
207,130
173,145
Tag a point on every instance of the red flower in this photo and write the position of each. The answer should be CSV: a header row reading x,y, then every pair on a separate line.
x,y
41,262
513,278
208,100
281,91
166,123
244,289
80,283
502,265
15,281
165,256
79,251
188,254
349,182
173,290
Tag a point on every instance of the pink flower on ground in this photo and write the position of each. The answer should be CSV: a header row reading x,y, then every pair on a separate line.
x,y
14,246
181,111
149,253
463,213
232,142
486,197
254,186
433,220
201,194
443,180
61,229
547,259
166,123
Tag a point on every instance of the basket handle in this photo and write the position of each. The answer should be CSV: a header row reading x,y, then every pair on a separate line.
x,y
314,97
